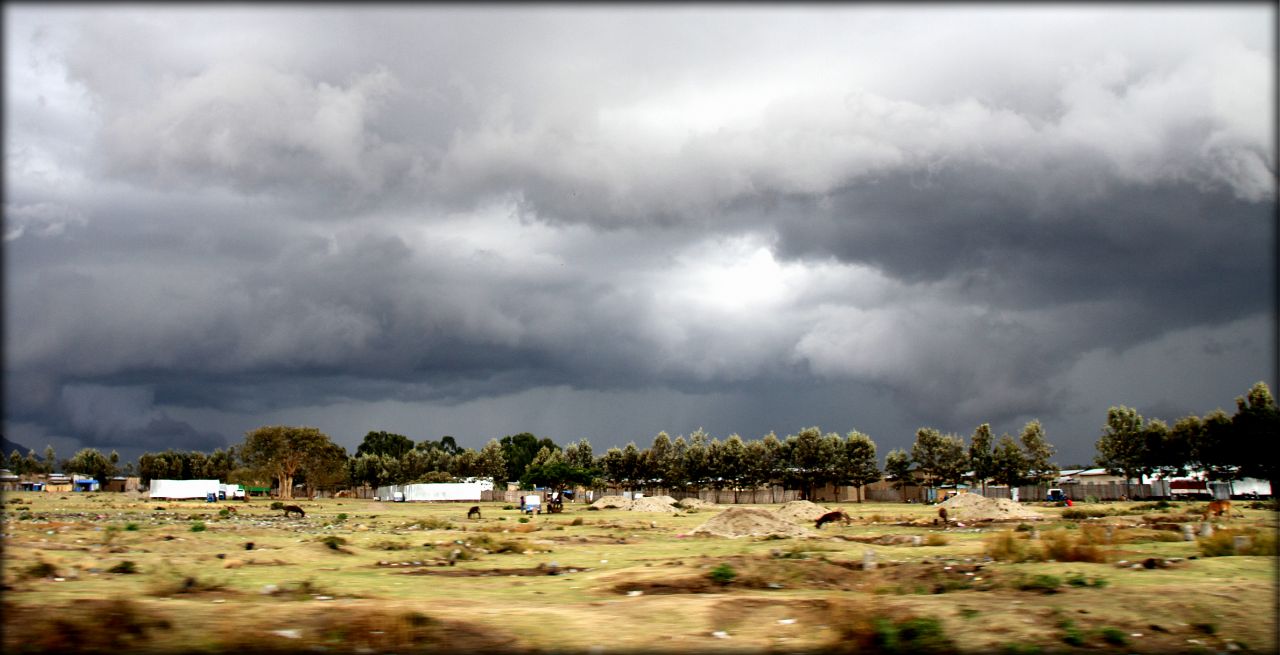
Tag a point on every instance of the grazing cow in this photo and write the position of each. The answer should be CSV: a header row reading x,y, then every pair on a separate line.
x,y
474,512
830,517
1218,508
942,514
294,509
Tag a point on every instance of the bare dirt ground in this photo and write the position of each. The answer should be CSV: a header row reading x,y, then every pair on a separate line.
x,y
114,573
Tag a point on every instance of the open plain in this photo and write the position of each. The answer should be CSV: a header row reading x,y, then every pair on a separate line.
x,y
97,572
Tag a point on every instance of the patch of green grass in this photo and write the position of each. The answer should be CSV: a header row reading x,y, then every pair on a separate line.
x,y
333,541
198,526
131,527
126,567
911,635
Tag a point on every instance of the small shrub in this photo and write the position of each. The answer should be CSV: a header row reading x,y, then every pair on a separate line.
x,y
131,527
911,635
508,507
224,512
1091,499
1071,635
1007,547
1062,546
333,541
41,569
1114,636
576,521
198,526
277,505
1043,583
391,545
1206,628
1025,527
524,519
126,567
936,539
342,516
722,574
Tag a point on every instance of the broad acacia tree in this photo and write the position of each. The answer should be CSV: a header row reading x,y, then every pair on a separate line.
x,y
282,450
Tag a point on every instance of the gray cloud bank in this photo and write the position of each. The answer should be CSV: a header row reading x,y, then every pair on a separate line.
x,y
444,217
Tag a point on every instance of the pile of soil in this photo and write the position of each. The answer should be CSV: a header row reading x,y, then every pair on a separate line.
x,y
655,504
749,522
801,511
696,503
975,507
612,502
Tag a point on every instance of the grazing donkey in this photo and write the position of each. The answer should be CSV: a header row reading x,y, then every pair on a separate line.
x,y
830,517
474,512
294,509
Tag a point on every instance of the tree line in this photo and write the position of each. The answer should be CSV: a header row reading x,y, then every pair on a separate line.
x,y
1223,446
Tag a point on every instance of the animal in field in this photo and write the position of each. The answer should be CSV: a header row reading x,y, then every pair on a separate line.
x,y
1218,508
294,509
942,514
830,517
474,512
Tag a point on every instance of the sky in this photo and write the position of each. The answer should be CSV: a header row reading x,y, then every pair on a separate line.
x,y
608,221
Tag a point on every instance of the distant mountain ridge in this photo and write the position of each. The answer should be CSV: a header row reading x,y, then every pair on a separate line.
x,y
7,447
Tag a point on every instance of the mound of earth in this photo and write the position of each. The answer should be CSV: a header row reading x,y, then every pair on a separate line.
x,y
749,522
655,504
975,507
695,503
801,511
612,502
666,499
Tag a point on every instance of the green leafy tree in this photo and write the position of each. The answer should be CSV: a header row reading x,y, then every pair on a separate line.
x,y
384,443
731,462
658,460
1256,422
1039,453
808,458
612,468
493,463
32,464
981,458
283,450
942,458
325,468
897,467
858,465
1209,445
695,465
50,459
91,462
1008,464
1122,449
520,449
675,471
16,463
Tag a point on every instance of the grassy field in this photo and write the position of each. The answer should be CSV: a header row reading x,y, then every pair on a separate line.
x,y
116,572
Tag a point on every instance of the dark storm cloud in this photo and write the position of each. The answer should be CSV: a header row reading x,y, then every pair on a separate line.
x,y
243,211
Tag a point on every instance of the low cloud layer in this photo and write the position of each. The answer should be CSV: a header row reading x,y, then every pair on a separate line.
x,y
217,217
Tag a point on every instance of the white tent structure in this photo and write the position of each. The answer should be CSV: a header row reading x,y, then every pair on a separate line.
x,y
442,491
179,489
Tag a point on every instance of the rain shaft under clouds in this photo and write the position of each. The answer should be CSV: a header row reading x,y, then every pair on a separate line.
x,y
605,222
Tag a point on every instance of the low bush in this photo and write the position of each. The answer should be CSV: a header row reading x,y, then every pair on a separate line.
x,y
1223,543
1006,546
131,527
126,567
333,541
936,539
342,516
722,574
1114,636
277,505
86,626
1044,583
1071,635
576,521
1062,546
911,635
41,569
198,526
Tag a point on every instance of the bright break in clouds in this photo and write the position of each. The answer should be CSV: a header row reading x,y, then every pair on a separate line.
x,y
606,221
